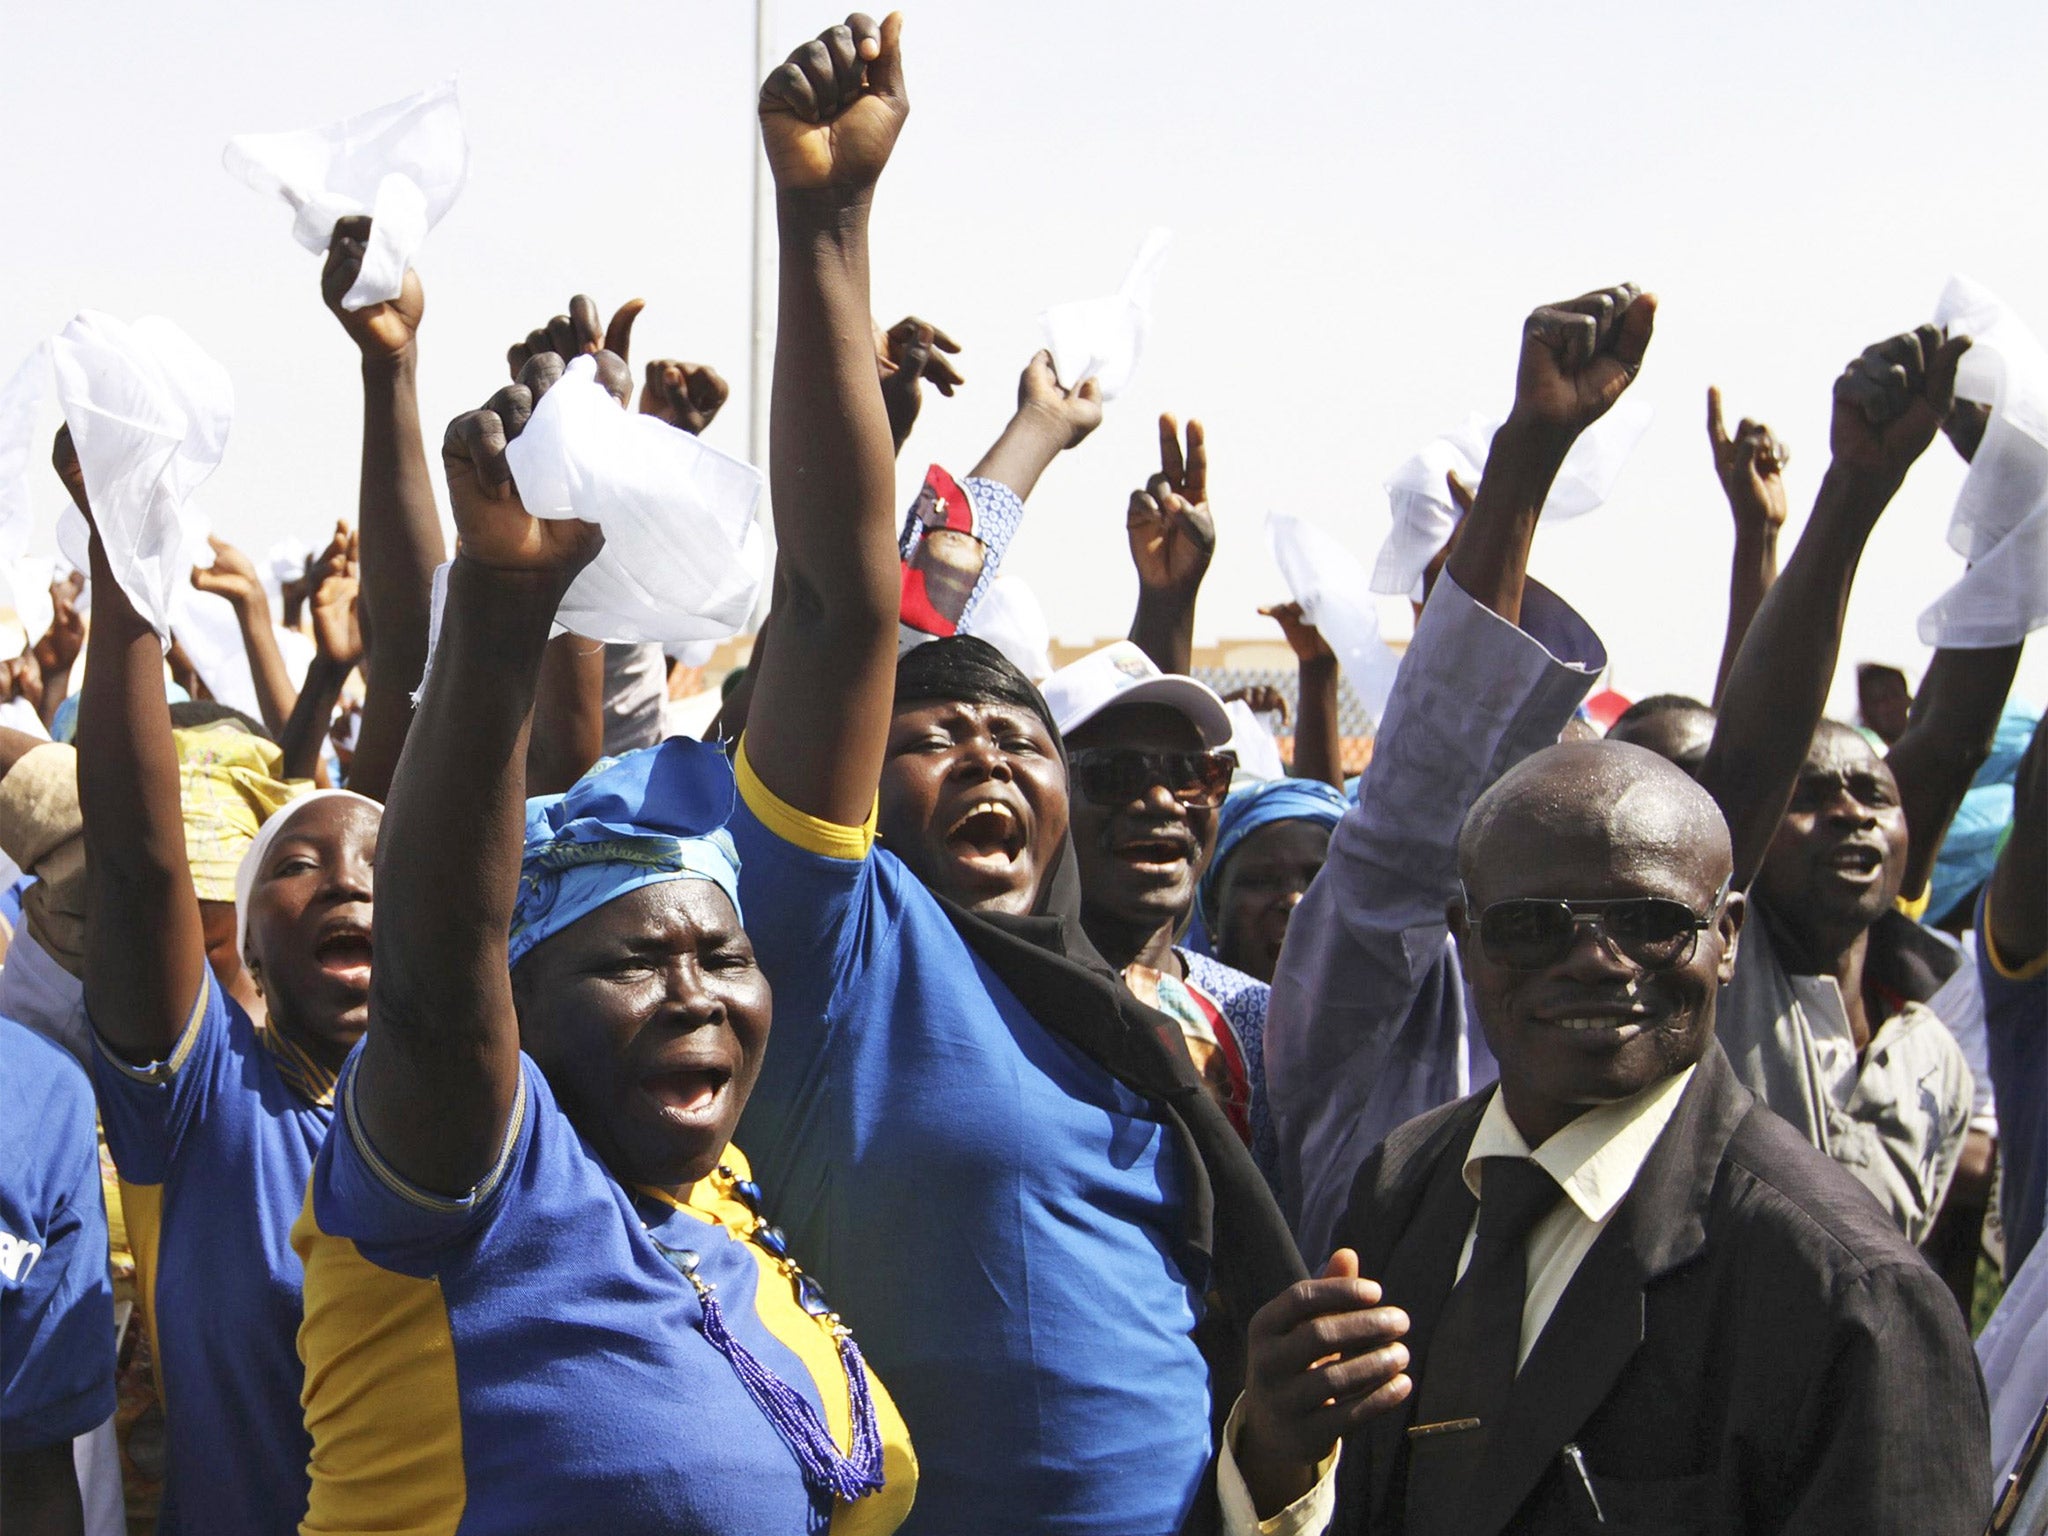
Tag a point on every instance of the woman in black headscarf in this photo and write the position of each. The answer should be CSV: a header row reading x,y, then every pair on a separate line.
x,y
1002,1165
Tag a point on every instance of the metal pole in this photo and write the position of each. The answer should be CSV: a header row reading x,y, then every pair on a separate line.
x,y
762,360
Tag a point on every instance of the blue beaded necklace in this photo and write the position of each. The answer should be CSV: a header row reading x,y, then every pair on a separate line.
x,y
846,1475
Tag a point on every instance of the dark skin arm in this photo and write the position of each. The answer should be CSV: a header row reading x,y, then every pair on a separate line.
x,y
568,715
1954,720
57,652
145,948
1172,539
338,647
1750,466
440,1065
819,719
2018,892
14,746
233,577
1049,421
1318,749
908,353
39,1492
399,529
1889,403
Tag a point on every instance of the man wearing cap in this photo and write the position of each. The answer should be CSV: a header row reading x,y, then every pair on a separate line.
x,y
1148,770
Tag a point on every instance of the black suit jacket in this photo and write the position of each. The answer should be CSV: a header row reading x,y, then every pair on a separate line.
x,y
1749,1346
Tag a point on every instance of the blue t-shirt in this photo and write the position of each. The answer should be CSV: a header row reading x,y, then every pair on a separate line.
x,y
2016,1036
998,1218
527,1359
56,1301
213,1147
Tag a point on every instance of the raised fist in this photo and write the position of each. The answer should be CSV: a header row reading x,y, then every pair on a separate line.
x,y
575,335
380,330
1893,398
685,395
1579,356
492,527
831,112
1751,466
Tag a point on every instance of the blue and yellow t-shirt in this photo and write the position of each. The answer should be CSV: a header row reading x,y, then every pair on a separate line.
x,y
997,1217
56,1301
526,1359
214,1147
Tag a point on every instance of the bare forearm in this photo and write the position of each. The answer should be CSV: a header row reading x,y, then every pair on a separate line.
x,y
2018,897
821,706
1750,575
1955,718
312,713
1778,684
443,1032
568,715
1027,445
1163,627
401,546
275,695
145,948
1318,749
56,689
1490,560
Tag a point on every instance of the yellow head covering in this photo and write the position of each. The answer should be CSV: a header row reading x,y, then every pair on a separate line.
x,y
229,786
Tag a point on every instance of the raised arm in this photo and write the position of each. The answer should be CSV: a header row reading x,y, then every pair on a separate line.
x,y
1750,466
1049,421
395,517
440,1066
334,587
233,576
908,353
1954,721
1318,748
145,949
1889,402
1173,539
57,652
2017,901
819,718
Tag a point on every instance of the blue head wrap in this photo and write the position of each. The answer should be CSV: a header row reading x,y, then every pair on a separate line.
x,y
1260,805
1970,850
651,816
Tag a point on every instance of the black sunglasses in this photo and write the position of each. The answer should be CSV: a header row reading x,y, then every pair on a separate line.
x,y
1119,775
1531,933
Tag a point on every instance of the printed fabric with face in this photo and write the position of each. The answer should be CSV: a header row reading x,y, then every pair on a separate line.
x,y
1838,858
1597,1007
1146,794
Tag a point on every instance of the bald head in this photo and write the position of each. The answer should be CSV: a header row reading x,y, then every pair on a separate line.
x,y
1603,794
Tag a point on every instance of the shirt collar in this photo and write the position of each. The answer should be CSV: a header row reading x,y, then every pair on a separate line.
x,y
1596,1158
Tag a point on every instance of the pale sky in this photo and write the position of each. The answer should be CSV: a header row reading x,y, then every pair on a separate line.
x,y
1366,200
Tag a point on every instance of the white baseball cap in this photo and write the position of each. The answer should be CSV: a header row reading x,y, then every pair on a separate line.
x,y
1119,674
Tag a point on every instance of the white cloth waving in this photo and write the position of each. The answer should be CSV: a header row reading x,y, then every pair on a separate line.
x,y
2000,522
682,552
1334,595
404,164
1103,339
149,414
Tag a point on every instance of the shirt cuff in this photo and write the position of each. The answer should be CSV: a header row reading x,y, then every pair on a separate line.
x,y
1308,1515
799,828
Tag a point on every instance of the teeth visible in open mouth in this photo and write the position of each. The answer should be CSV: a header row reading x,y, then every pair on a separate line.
x,y
994,808
1583,1024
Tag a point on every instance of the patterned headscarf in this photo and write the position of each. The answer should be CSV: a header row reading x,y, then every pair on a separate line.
x,y
228,785
1260,805
645,818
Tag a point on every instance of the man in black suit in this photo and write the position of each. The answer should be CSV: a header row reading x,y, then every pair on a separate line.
x,y
1616,1291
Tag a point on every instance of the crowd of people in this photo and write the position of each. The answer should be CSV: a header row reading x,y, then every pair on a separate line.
x,y
1554,1128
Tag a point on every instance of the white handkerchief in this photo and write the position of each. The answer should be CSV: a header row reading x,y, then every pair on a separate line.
x,y
1009,618
682,552
1103,339
205,625
1424,513
403,164
149,414
286,560
1258,754
1334,595
20,715
2000,522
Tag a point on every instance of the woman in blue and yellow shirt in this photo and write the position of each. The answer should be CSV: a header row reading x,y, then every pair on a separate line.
x,y
539,1293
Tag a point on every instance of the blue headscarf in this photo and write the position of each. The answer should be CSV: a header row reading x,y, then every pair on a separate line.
x,y
1970,850
651,816
1260,805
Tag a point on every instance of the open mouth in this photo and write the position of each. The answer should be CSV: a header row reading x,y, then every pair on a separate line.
x,y
1858,859
344,952
987,833
1155,853
1600,1029
689,1096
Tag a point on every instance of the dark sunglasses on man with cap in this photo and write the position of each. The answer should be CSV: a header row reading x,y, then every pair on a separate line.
x,y
1119,775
